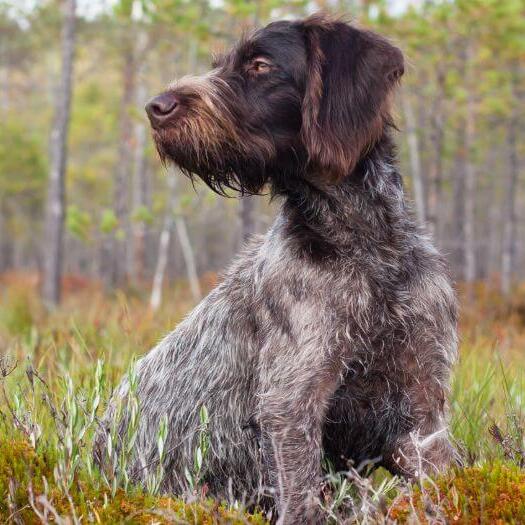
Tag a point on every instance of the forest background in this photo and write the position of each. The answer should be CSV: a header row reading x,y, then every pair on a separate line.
x,y
83,194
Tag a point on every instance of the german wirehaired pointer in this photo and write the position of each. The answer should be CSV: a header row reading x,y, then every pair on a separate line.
x,y
334,334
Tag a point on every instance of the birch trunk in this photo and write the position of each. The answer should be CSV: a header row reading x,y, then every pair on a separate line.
x,y
164,246
510,218
137,252
492,205
5,248
470,179
4,107
456,235
162,262
246,214
4,79
123,171
55,205
435,194
189,257
173,217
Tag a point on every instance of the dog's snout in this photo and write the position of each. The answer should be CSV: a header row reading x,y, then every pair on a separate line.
x,y
162,108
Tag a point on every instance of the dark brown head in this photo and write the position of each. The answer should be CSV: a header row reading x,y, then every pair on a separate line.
x,y
295,99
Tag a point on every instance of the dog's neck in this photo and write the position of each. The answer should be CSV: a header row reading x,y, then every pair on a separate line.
x,y
365,209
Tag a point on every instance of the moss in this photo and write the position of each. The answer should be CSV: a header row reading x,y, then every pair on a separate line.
x,y
21,468
493,493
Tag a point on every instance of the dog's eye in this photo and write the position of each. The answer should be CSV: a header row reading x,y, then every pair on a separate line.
x,y
260,65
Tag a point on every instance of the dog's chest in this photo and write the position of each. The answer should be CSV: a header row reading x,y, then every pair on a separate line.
x,y
339,300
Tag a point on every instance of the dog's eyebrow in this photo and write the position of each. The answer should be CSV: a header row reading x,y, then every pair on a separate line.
x,y
254,55
250,47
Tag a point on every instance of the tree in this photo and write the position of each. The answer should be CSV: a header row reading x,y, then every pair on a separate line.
x,y
123,170
414,155
56,198
435,186
510,219
461,124
164,244
469,173
22,188
173,216
246,215
140,193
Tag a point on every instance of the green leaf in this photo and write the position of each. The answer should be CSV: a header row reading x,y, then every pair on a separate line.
x,y
78,223
108,222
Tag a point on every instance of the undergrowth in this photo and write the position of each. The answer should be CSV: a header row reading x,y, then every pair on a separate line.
x,y
57,371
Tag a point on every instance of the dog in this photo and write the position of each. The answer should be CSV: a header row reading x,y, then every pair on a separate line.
x,y
334,334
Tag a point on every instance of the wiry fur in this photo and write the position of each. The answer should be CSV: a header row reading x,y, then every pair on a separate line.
x,y
336,331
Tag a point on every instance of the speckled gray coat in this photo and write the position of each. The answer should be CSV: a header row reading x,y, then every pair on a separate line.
x,y
335,332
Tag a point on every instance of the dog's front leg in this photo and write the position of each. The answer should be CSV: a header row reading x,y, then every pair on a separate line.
x,y
295,388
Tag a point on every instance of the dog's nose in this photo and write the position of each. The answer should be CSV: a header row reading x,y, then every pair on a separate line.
x,y
162,108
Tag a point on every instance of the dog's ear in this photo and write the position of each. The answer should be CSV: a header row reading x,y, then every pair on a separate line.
x,y
350,75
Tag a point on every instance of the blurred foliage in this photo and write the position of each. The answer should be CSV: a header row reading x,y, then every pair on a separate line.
x,y
78,223
159,40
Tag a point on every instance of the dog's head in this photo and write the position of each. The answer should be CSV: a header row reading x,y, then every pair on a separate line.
x,y
305,98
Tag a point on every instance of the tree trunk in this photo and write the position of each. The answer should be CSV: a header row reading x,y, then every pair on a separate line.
x,y
139,197
162,262
189,257
493,207
137,252
246,214
456,233
5,248
465,182
55,206
510,217
124,166
173,216
435,194
470,178
4,108
164,246
4,79
414,156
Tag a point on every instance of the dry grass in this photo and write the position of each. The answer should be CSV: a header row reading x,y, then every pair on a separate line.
x,y
67,362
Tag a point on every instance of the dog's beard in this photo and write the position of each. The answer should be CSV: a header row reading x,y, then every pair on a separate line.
x,y
220,165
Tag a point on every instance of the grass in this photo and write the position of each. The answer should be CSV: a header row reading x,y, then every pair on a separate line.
x,y
57,370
